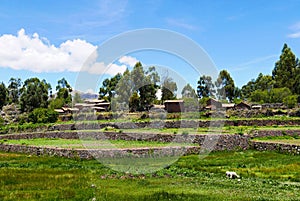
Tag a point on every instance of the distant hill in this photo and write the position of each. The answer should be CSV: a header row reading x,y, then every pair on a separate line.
x,y
84,95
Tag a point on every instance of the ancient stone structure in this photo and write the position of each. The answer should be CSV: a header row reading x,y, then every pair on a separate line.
x,y
207,142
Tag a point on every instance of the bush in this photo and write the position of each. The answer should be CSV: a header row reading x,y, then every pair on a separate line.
x,y
290,101
43,115
275,95
22,118
57,103
2,122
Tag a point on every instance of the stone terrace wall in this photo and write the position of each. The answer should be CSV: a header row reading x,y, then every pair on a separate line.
x,y
174,124
208,142
281,147
219,142
57,134
90,154
160,124
267,133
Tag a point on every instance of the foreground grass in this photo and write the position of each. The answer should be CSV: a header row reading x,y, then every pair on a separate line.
x,y
91,144
280,139
204,130
284,141
265,176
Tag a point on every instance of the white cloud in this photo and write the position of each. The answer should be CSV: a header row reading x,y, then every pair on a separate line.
x,y
36,54
294,35
93,66
249,64
296,28
128,60
100,68
180,23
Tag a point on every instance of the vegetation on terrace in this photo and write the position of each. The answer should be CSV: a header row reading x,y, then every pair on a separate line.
x,y
226,129
285,139
91,143
190,178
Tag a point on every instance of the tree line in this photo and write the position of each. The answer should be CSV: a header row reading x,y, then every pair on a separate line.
x,y
283,86
138,88
35,93
34,97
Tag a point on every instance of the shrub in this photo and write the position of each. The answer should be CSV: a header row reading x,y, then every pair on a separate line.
x,y
56,103
2,122
185,133
43,115
290,101
22,118
173,115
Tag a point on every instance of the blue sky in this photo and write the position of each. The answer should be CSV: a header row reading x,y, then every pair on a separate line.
x,y
52,39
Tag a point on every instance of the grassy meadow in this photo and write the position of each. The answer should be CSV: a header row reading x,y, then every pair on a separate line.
x,y
91,143
285,139
264,176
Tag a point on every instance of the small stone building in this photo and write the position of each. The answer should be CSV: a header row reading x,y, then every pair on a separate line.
x,y
174,106
213,104
228,106
93,104
256,107
242,106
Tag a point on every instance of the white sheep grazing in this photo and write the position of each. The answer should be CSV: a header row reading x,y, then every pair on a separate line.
x,y
232,175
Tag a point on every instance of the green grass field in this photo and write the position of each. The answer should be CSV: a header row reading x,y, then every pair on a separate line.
x,y
285,139
264,176
204,130
199,130
90,144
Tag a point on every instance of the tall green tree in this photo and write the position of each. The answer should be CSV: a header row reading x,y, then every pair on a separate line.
x,y
248,89
77,98
225,86
14,85
188,92
168,89
237,93
138,85
64,90
137,76
34,94
123,91
3,95
284,72
108,89
296,82
134,102
149,89
264,82
205,87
